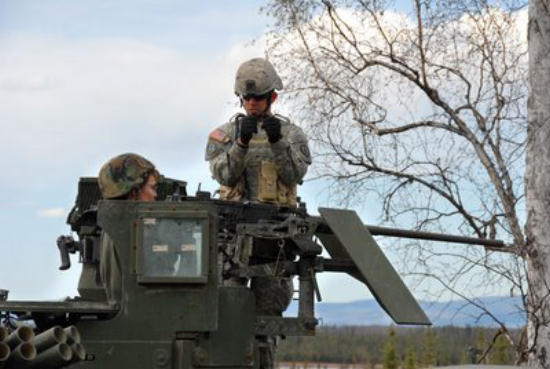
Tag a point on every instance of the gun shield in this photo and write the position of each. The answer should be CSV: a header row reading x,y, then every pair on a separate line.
x,y
20,335
49,338
350,240
4,354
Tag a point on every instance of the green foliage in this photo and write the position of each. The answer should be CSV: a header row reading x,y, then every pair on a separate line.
x,y
429,349
390,356
464,359
502,352
410,359
365,346
481,343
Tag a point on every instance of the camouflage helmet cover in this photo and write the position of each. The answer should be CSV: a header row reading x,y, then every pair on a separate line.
x,y
120,175
256,77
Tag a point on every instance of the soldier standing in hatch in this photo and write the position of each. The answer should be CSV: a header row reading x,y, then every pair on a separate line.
x,y
260,157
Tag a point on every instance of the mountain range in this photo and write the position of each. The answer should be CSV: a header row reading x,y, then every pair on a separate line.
x,y
456,312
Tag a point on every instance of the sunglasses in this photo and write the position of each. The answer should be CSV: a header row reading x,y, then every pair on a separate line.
x,y
255,97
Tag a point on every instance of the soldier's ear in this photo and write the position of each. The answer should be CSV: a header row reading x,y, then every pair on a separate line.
x,y
274,96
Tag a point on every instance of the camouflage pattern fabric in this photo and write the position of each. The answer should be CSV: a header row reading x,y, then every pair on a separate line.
x,y
123,173
232,165
239,171
273,294
256,77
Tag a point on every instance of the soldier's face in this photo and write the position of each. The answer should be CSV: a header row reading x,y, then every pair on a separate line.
x,y
149,191
257,105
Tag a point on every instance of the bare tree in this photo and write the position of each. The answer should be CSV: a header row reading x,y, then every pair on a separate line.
x,y
425,108
538,184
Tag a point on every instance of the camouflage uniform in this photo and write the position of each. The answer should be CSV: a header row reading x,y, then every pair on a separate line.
x,y
260,171
243,175
265,172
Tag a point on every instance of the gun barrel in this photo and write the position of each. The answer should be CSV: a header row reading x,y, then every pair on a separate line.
x,y
421,235
404,233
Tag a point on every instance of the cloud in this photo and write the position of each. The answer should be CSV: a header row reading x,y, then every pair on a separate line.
x,y
52,213
83,102
68,105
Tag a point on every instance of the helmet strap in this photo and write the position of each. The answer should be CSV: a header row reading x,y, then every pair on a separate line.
x,y
268,106
240,99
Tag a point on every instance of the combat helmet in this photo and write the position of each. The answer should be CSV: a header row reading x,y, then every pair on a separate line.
x,y
257,77
124,173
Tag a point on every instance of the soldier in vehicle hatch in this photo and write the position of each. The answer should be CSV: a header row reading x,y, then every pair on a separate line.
x,y
260,157
124,177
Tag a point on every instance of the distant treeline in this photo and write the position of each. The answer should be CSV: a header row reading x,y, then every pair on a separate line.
x,y
397,347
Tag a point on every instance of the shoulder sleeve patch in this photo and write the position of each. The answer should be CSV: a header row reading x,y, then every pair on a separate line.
x,y
219,136
213,149
306,154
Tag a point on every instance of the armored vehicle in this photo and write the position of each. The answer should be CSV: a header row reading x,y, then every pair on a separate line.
x,y
183,266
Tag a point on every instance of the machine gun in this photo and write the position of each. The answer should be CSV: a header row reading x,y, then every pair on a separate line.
x,y
176,294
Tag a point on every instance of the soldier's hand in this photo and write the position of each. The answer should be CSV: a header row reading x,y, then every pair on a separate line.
x,y
272,127
249,126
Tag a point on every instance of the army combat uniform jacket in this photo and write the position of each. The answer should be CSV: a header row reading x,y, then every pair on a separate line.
x,y
263,172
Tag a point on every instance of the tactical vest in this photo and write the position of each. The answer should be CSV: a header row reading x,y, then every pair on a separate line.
x,y
270,190
263,174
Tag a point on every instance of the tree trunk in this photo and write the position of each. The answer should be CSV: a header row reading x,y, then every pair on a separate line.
x,y
538,184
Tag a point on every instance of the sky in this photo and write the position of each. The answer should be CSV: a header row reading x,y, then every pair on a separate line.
x,y
81,82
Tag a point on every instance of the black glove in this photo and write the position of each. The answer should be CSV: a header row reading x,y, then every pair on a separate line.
x,y
272,127
249,126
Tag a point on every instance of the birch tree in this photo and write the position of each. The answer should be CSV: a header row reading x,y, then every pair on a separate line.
x,y
426,108
538,184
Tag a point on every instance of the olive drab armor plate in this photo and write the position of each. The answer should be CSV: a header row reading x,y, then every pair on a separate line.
x,y
351,240
175,274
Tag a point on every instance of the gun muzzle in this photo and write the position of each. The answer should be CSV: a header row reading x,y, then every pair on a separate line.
x,y
21,335
4,354
73,335
3,333
54,357
22,356
49,338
